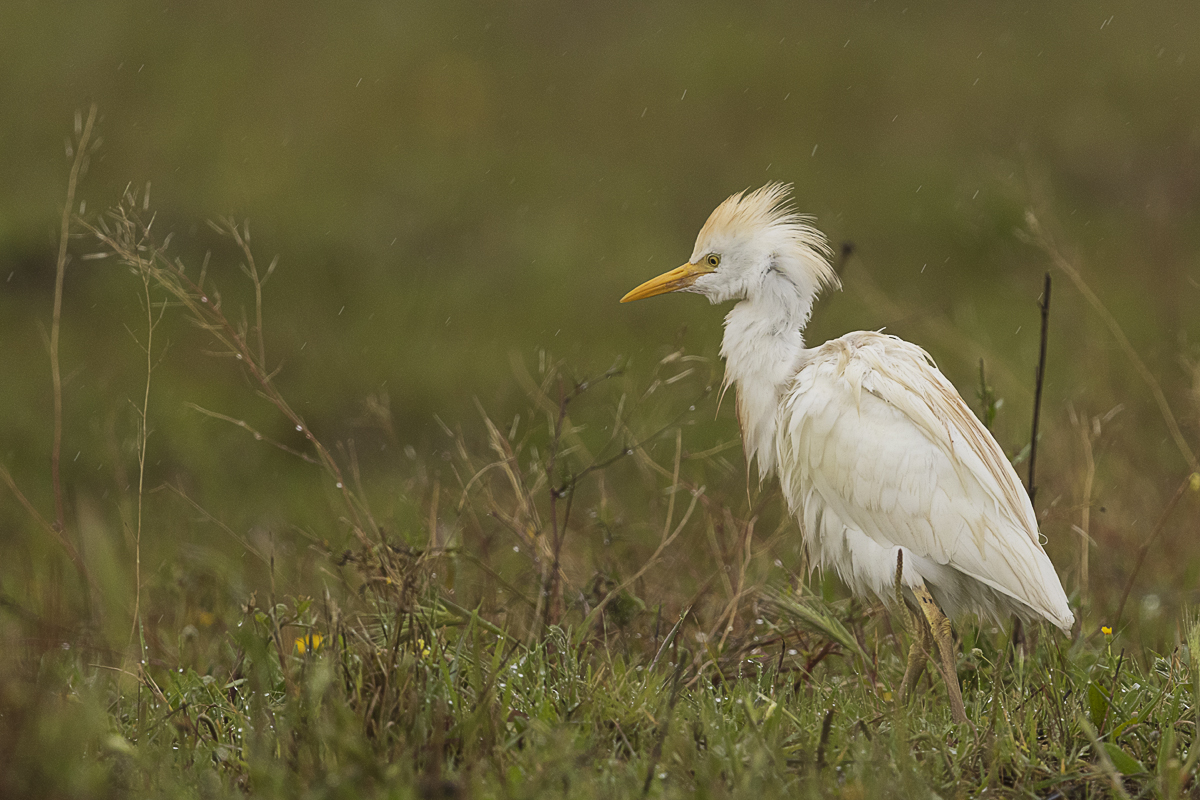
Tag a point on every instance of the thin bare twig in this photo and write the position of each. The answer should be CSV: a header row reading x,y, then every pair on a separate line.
x,y
250,269
259,437
1042,239
131,243
143,437
1044,305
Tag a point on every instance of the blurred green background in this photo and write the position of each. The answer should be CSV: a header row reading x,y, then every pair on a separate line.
x,y
450,186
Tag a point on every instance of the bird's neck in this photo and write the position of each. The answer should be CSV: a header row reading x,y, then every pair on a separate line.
x,y
762,347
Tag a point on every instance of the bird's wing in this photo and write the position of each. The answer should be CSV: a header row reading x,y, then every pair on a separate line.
x,y
877,432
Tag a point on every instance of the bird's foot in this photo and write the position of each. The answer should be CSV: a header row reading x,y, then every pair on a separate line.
x,y
945,661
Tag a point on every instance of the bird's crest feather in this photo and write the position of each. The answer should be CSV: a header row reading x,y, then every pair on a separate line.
x,y
770,207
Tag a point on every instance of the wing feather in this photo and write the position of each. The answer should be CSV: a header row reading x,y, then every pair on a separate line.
x,y
875,435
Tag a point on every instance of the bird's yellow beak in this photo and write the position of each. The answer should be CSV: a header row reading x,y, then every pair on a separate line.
x,y
673,281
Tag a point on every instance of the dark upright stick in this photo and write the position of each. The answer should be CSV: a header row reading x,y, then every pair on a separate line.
x,y
1037,391
1018,634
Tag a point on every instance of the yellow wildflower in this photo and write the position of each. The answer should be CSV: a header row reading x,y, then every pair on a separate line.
x,y
422,649
310,643
1107,631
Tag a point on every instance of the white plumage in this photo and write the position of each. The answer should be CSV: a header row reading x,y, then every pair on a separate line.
x,y
880,459
877,451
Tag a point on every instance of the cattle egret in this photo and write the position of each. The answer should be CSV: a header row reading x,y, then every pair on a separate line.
x,y
894,482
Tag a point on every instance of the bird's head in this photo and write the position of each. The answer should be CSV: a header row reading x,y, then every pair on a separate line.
x,y
752,245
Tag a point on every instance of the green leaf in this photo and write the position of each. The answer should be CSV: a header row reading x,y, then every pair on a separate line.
x,y
116,743
816,616
1097,704
1117,731
1124,763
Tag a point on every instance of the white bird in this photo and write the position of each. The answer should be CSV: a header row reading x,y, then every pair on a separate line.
x,y
894,482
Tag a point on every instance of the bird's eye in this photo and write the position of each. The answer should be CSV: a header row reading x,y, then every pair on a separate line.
x,y
713,260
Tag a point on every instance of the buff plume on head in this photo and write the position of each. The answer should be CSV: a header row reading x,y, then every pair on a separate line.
x,y
753,242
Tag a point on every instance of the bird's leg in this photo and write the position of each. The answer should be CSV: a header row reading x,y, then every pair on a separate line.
x,y
939,626
899,585
917,653
918,631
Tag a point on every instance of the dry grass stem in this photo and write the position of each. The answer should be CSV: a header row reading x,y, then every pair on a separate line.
x,y
1039,237
1085,517
1044,305
143,436
258,437
129,239
82,141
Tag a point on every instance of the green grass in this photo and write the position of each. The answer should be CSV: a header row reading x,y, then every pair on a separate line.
x,y
404,697
489,534
586,602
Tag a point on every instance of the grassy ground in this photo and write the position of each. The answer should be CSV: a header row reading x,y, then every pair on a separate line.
x,y
393,499
585,602
399,695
